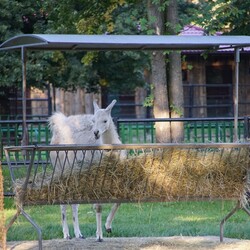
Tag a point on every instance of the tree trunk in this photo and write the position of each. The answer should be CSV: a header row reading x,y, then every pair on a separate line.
x,y
159,77
89,109
175,77
140,95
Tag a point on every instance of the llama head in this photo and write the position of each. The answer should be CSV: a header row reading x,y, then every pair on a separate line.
x,y
102,119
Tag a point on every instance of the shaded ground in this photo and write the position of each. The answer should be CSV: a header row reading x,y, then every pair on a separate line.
x,y
144,243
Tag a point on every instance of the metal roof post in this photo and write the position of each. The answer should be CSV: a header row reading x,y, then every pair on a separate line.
x,y
236,92
25,139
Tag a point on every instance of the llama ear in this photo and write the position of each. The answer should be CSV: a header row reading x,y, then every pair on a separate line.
x,y
96,107
111,105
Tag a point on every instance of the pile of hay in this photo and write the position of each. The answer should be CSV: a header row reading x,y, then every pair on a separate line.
x,y
163,175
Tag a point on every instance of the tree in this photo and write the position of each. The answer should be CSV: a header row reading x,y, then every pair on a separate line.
x,y
70,70
168,94
229,17
17,17
98,69
159,76
176,97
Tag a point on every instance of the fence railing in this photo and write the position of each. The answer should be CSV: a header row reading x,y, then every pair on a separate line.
x,y
11,133
196,130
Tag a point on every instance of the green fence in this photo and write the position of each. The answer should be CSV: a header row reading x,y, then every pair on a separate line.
x,y
11,133
133,130
195,130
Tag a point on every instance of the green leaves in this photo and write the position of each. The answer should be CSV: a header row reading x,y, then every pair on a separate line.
x,y
117,70
231,16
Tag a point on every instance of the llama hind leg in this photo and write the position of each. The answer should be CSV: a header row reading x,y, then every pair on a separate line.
x,y
108,224
77,230
64,222
99,234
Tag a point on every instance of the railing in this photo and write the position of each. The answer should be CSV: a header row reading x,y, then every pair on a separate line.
x,y
19,117
218,100
11,133
197,130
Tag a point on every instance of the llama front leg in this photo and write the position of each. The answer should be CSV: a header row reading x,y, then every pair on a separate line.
x,y
64,222
77,230
99,234
108,224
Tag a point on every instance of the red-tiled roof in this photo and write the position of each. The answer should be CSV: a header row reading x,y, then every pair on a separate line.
x,y
194,30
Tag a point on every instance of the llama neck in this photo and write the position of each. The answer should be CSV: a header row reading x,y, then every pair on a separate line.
x,y
111,136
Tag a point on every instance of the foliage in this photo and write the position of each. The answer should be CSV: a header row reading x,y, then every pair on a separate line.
x,y
117,71
17,17
69,70
231,16
176,110
149,100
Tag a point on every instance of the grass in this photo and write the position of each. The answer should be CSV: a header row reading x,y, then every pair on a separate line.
x,y
136,220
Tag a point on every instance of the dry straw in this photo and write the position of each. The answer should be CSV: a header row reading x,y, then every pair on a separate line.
x,y
162,175
2,217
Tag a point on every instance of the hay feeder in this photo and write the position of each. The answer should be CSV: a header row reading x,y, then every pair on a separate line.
x,y
77,174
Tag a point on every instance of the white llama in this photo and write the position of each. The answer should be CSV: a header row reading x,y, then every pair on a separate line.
x,y
84,129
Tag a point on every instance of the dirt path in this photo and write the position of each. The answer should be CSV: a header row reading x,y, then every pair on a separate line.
x,y
158,243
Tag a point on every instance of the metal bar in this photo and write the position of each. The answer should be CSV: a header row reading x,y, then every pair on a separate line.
x,y
39,231
135,120
25,184
202,132
246,210
122,200
123,120
24,90
152,132
217,132
235,209
195,132
236,93
9,165
137,132
120,128
130,133
246,129
15,216
64,147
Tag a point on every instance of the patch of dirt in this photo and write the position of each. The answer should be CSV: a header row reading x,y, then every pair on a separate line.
x,y
143,243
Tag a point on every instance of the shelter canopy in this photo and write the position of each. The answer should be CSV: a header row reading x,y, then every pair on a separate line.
x,y
123,42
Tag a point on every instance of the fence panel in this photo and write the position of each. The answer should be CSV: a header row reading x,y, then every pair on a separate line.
x,y
196,130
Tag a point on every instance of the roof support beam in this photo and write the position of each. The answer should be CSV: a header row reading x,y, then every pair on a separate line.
x,y
25,139
236,92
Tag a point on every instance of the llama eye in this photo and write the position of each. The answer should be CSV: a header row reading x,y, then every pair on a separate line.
x,y
105,121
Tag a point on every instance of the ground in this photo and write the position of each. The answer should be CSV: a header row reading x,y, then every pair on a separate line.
x,y
144,243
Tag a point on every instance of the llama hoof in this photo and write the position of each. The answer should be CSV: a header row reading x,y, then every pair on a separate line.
x,y
99,239
68,237
108,230
82,237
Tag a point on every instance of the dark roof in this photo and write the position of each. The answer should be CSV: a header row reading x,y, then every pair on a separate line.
x,y
123,42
